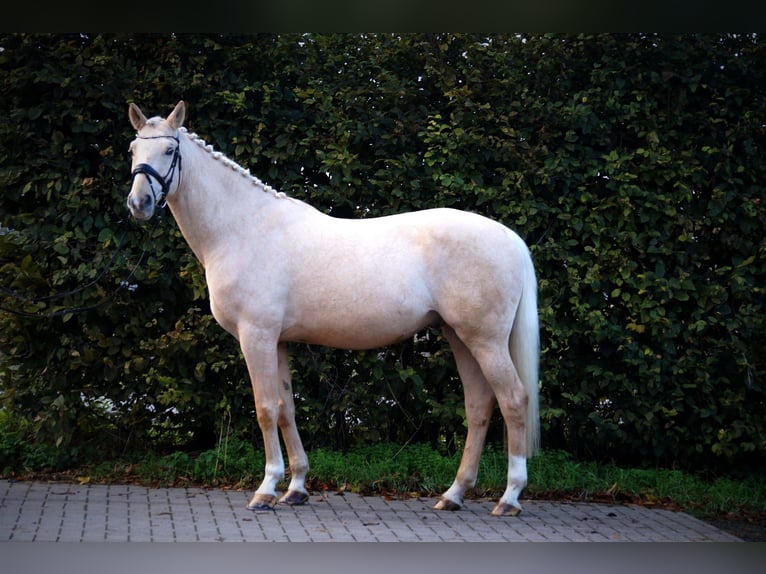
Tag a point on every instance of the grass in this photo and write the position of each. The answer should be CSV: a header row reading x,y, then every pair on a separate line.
x,y
420,470
556,473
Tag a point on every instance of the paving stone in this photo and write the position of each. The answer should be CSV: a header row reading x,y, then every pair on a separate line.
x,y
60,512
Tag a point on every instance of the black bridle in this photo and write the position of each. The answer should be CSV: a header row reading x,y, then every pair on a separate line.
x,y
150,172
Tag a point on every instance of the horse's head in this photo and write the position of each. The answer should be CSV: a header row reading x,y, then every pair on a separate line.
x,y
156,166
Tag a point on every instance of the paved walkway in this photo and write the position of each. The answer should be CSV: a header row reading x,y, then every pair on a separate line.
x,y
62,512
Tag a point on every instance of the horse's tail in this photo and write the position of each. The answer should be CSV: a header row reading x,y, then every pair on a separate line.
x,y
525,349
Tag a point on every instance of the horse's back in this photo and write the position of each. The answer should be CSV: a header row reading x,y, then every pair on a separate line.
x,y
403,250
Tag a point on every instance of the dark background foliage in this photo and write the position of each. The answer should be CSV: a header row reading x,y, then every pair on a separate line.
x,y
633,165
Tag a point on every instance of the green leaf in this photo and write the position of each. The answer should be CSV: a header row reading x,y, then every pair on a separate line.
x,y
105,235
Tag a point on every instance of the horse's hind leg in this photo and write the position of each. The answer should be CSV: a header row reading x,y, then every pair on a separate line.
x,y
479,405
501,374
296,455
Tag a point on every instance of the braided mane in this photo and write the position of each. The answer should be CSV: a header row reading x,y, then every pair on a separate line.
x,y
230,163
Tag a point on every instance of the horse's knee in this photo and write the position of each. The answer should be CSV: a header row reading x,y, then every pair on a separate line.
x,y
268,417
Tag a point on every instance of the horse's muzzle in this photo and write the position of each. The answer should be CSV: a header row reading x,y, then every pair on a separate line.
x,y
141,205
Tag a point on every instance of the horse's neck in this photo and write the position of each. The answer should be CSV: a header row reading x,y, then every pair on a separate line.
x,y
216,203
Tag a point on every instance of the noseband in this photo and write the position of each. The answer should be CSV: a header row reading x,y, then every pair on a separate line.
x,y
150,172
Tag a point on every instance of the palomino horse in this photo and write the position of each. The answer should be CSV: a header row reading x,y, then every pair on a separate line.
x,y
279,270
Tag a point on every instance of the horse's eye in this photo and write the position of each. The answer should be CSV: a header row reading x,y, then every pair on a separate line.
x,y
169,151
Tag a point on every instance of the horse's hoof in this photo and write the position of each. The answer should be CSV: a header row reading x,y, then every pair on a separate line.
x,y
294,498
262,502
505,509
445,504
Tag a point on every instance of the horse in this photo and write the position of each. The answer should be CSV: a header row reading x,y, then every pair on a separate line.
x,y
279,270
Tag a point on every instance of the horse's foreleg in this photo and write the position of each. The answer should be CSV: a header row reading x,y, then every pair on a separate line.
x,y
299,465
262,365
479,405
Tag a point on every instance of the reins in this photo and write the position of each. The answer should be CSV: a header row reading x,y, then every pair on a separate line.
x,y
125,283
159,202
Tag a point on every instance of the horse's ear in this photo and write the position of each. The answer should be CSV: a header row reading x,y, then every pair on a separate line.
x,y
137,117
176,118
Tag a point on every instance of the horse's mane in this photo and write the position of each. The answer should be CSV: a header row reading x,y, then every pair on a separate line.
x,y
230,163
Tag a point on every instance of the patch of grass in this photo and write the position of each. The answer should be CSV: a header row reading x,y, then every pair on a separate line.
x,y
383,468
413,469
234,463
556,474
552,474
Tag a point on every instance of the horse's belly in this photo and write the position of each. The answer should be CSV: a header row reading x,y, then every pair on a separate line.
x,y
357,330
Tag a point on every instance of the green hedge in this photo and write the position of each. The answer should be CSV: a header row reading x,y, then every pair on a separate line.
x,y
633,165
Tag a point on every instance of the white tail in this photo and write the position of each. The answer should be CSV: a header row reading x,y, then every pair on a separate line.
x,y
525,351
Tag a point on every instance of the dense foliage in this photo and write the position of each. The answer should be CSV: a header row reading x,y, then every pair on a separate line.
x,y
633,165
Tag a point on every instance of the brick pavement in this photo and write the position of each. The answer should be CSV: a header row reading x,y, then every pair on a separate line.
x,y
63,512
